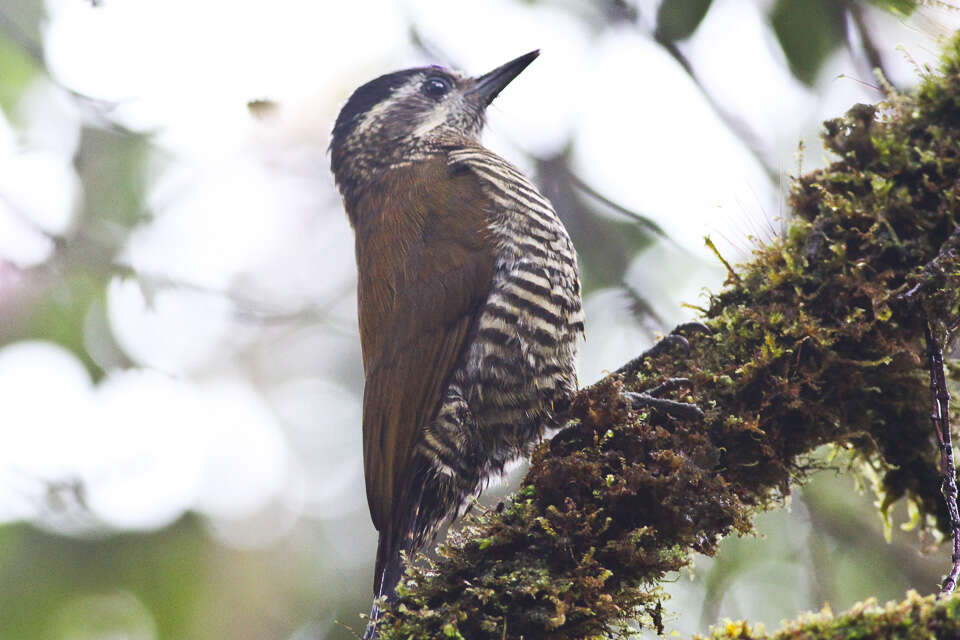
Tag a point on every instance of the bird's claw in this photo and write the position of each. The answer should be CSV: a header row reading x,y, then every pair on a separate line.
x,y
668,385
649,398
693,327
684,410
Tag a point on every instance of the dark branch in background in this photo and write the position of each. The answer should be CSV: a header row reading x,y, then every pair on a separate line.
x,y
854,14
245,308
751,141
606,244
430,49
870,52
640,307
940,416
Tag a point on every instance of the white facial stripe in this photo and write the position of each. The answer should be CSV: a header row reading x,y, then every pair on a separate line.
x,y
437,117
375,112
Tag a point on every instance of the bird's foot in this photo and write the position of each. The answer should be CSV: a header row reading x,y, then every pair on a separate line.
x,y
684,410
648,398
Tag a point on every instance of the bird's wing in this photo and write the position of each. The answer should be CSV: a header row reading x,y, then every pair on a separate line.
x,y
426,261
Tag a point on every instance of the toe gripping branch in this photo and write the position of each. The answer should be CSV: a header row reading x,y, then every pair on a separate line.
x,y
648,398
685,410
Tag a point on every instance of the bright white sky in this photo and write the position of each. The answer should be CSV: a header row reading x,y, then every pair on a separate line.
x,y
228,420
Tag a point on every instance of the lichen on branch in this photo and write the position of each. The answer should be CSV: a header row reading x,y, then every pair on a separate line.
x,y
818,340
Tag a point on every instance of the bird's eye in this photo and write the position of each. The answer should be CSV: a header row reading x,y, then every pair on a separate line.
x,y
436,86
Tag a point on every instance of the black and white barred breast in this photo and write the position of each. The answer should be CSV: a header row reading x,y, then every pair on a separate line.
x,y
519,368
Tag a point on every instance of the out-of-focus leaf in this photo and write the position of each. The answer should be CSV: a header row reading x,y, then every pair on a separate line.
x,y
58,315
899,7
263,109
17,70
808,31
164,570
111,167
678,19
925,16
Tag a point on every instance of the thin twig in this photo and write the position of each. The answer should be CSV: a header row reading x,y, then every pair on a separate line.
x,y
732,275
870,52
741,129
641,219
940,417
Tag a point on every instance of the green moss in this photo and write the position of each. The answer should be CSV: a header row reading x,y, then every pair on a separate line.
x,y
915,617
819,339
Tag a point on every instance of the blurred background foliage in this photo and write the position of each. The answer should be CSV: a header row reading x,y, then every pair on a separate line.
x,y
179,367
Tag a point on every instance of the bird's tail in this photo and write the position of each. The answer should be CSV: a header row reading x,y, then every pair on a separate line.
x,y
387,575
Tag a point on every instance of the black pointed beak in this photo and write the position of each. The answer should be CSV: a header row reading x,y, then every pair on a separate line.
x,y
489,85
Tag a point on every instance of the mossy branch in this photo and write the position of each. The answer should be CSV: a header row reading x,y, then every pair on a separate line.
x,y
818,340
915,617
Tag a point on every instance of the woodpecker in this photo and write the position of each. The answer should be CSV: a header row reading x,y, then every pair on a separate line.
x,y
468,295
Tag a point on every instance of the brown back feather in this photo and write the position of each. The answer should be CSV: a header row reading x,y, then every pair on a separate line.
x,y
426,260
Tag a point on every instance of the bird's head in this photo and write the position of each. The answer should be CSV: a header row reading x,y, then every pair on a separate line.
x,y
401,116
